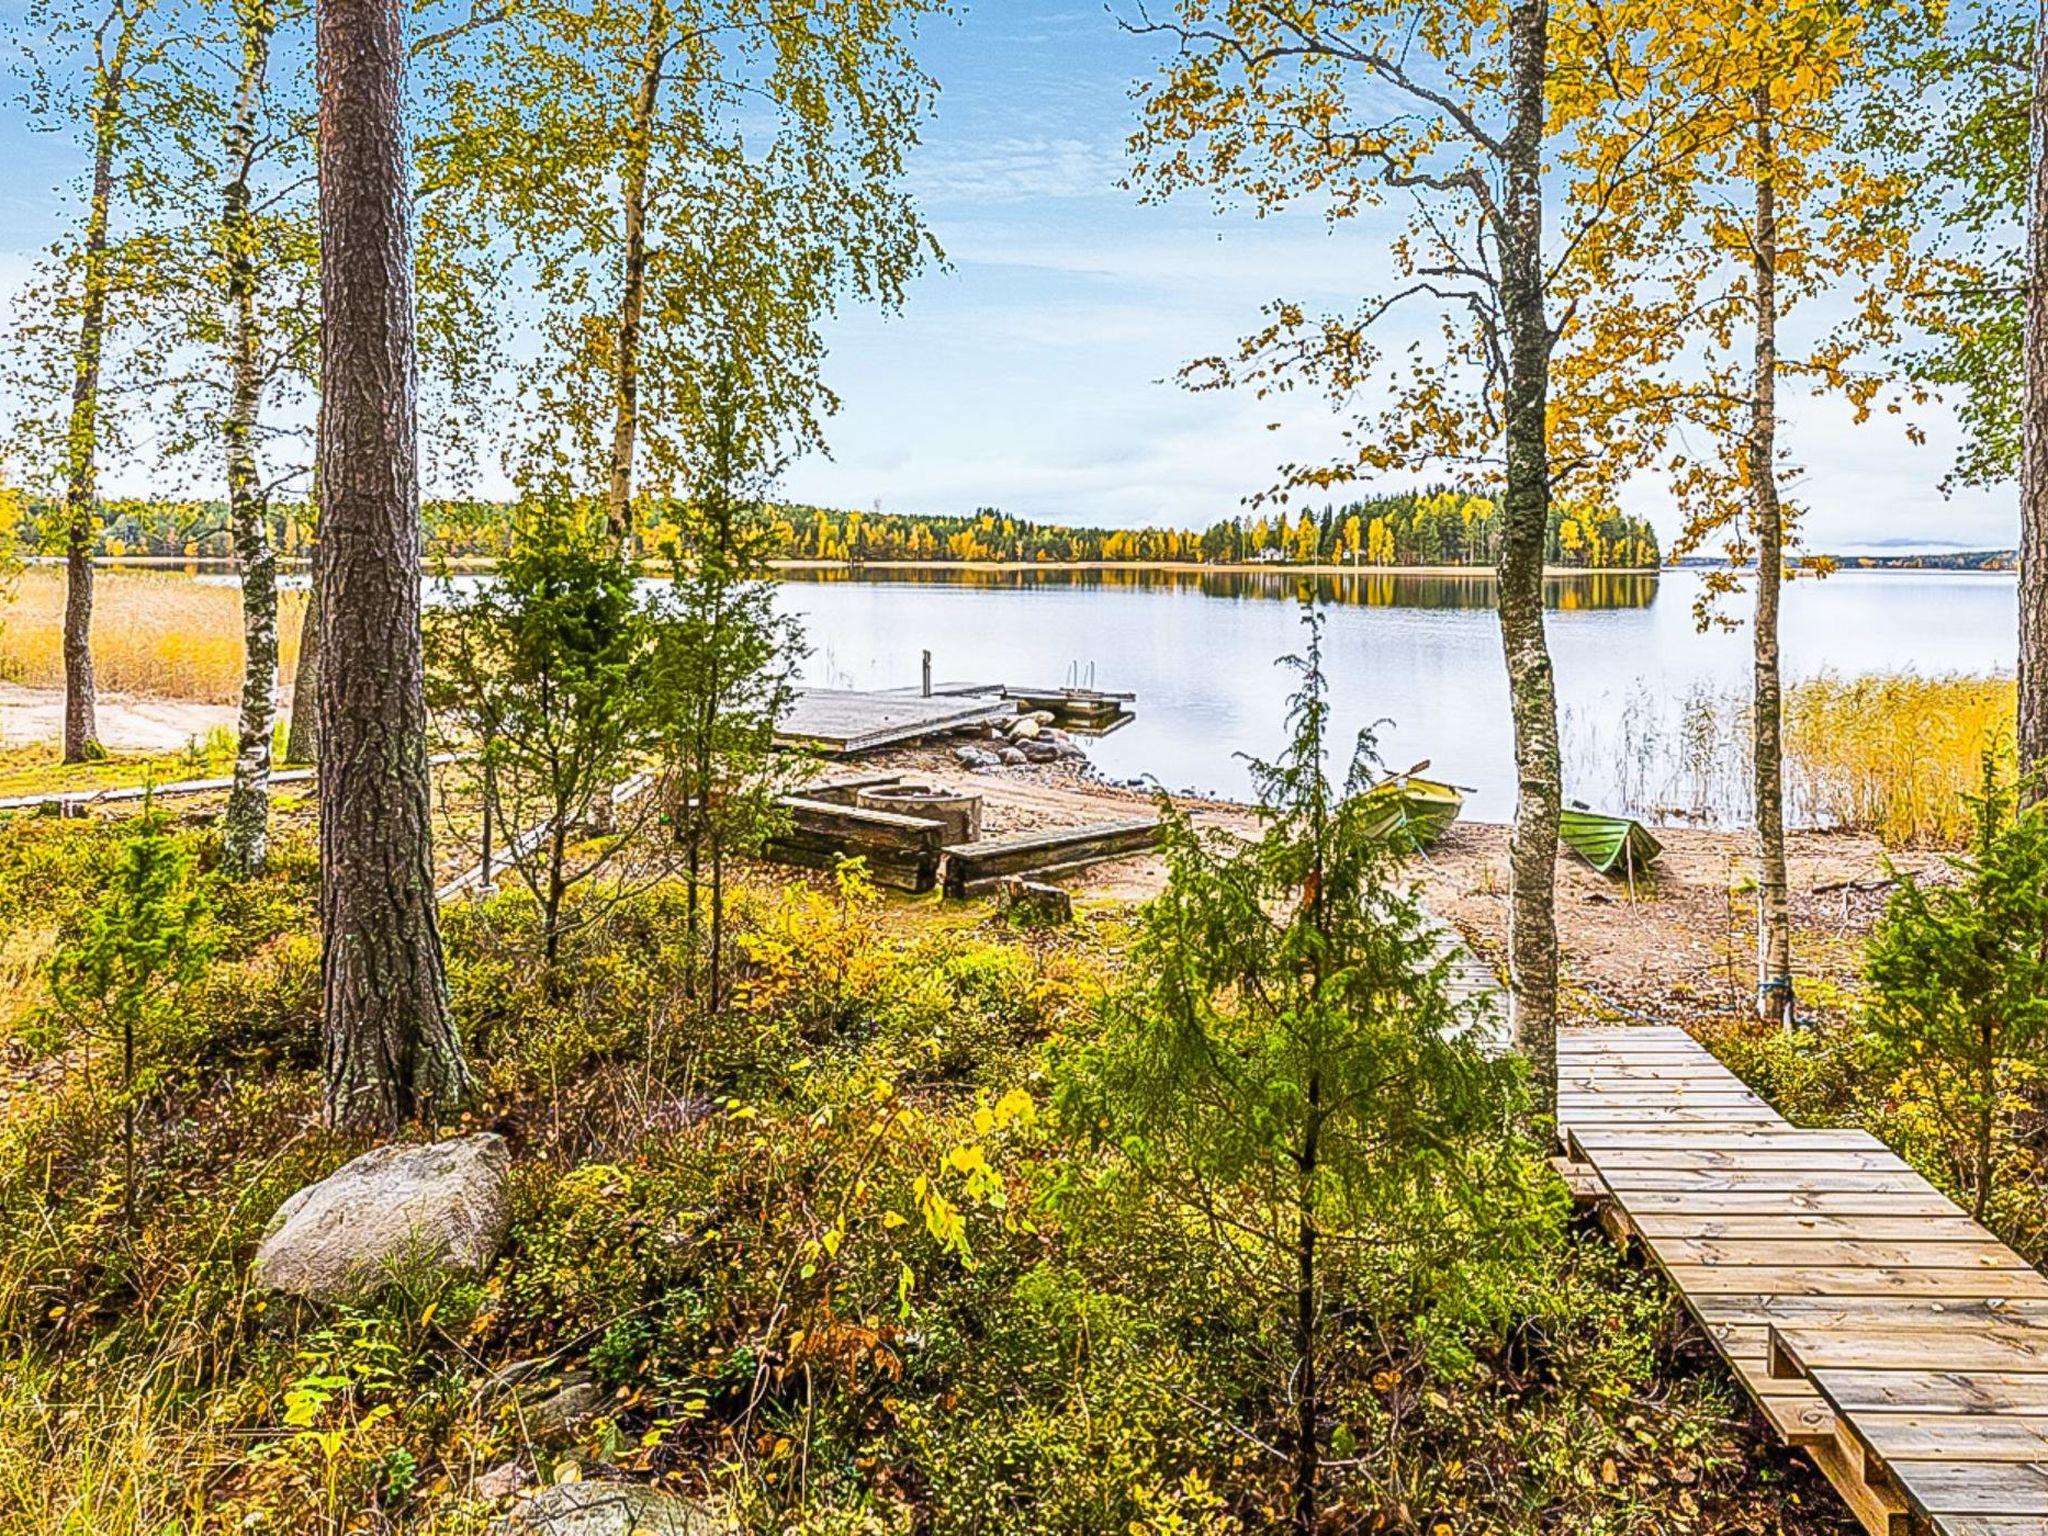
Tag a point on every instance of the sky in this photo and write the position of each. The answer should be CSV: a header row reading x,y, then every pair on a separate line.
x,y
1035,370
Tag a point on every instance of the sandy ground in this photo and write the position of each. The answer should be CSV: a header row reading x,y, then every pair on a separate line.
x,y
127,723
1683,944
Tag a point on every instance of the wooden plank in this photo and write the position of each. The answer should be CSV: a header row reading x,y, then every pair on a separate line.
x,y
1960,1437
1842,1312
1994,1525
1816,1159
1749,1202
1983,1253
902,852
1799,1280
1934,1391
1964,1345
1802,1226
1581,1180
1637,1119
1718,1139
1964,1488
1764,1180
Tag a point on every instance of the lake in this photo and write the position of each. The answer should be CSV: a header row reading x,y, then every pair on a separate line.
x,y
1419,653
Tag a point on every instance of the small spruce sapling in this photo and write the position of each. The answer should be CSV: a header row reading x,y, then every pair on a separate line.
x,y
120,976
1959,974
722,668
1291,1073
542,668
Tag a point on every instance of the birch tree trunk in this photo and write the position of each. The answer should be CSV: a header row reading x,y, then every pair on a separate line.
x,y
1774,1000
81,438
246,831
633,279
2033,638
1525,519
389,1048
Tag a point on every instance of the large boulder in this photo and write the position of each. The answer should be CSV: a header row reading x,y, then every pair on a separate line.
x,y
400,1210
607,1508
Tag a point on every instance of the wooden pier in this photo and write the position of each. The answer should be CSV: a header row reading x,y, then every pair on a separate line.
x,y
1871,1320
838,720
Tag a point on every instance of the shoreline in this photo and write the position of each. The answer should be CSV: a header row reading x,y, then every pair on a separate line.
x,y
984,567
1195,568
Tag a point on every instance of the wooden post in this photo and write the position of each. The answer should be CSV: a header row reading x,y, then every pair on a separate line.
x,y
490,791
927,674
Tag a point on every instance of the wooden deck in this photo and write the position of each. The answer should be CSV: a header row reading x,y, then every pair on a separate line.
x,y
1873,1322
849,720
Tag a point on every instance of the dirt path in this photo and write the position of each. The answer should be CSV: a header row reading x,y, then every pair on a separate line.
x,y
1683,946
127,722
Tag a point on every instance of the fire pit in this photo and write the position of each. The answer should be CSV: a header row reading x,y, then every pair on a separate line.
x,y
960,813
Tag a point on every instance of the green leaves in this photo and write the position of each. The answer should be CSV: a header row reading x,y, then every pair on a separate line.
x,y
1958,973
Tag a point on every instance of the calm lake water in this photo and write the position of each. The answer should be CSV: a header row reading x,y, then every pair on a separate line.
x,y
1419,653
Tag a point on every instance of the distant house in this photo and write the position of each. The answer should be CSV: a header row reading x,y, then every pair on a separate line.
x,y
1268,557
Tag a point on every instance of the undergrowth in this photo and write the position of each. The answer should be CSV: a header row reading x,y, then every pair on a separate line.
x,y
828,1258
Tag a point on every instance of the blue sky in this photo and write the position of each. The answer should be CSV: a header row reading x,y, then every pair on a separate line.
x,y
1035,372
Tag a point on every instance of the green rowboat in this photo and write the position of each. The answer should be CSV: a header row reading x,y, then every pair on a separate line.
x,y
1608,843
1415,809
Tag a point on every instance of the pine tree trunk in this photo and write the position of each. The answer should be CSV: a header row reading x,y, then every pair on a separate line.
x,y
302,736
633,279
246,830
389,1046
1525,519
1774,1001
2033,647
81,442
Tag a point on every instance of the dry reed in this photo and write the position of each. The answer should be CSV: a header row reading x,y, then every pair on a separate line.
x,y
1894,753
156,633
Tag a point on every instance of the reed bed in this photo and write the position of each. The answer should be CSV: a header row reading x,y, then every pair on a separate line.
x,y
1891,753
160,634
1894,753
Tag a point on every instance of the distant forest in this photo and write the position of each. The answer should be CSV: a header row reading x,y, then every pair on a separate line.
x,y
1429,528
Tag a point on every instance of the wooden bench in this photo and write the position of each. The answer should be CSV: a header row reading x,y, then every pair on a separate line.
x,y
975,869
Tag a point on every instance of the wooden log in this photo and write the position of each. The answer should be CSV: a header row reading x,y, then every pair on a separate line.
x,y
902,852
841,789
974,869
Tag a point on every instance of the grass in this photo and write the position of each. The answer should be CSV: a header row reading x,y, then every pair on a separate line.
x,y
156,633
36,769
1894,753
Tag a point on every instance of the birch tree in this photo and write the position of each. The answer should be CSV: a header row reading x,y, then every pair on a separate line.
x,y
229,218
1438,106
2033,597
653,159
89,68
1763,207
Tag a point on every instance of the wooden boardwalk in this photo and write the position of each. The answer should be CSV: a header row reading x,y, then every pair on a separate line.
x,y
1872,1321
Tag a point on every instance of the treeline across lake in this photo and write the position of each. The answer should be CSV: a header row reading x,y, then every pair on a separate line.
x,y
1429,528
1439,527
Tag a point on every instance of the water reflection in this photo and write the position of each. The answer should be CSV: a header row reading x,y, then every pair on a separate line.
x,y
1365,589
